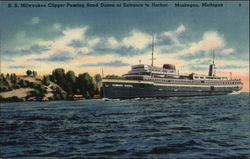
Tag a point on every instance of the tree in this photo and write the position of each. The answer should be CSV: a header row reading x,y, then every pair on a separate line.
x,y
29,72
59,77
40,91
70,76
98,78
70,82
80,83
4,86
34,73
85,83
113,77
2,76
13,78
8,76
46,80
23,83
58,74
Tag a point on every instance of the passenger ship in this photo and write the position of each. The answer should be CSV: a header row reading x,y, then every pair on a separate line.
x,y
148,81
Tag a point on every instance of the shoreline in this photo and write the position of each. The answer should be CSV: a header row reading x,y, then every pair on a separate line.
x,y
21,100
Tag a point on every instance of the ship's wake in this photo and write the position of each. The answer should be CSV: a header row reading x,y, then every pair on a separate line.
x,y
234,93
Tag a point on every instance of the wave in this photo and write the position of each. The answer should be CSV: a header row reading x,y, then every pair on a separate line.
x,y
234,93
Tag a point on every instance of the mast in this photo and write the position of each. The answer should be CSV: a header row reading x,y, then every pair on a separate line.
x,y
152,59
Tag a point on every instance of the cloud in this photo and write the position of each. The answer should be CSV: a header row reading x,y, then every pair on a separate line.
x,y
171,37
21,67
33,49
170,42
211,40
227,51
58,57
75,33
20,40
113,42
57,26
197,68
76,47
165,40
120,50
197,55
110,46
202,61
137,40
36,48
35,20
181,29
135,43
203,49
69,35
233,67
203,66
77,44
116,63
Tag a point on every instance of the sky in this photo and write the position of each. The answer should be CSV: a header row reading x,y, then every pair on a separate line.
x,y
89,39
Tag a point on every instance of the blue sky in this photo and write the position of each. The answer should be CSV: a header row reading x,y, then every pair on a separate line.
x,y
87,39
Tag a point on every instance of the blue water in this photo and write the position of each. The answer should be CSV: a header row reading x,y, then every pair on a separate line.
x,y
185,127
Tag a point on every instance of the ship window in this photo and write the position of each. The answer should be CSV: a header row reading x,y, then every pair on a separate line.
x,y
202,81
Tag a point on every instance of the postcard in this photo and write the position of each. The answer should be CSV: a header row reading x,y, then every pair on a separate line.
x,y
124,79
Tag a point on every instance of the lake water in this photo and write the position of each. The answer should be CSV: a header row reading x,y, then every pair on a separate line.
x,y
183,127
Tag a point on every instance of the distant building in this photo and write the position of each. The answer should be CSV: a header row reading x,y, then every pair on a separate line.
x,y
77,97
96,96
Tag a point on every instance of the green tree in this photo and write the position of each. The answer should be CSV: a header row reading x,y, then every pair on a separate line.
x,y
113,77
8,76
23,83
29,72
34,73
98,78
41,90
31,84
46,80
59,77
58,95
4,86
70,76
13,78
2,76
85,84
70,82
58,74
